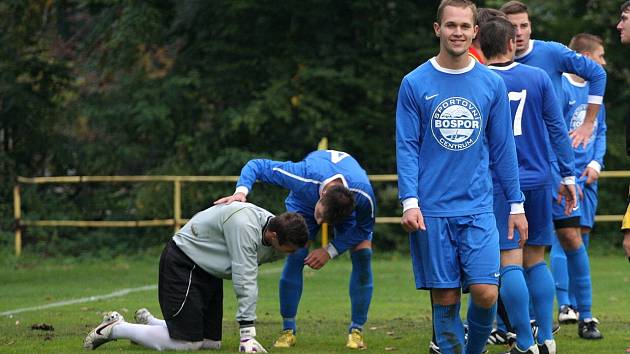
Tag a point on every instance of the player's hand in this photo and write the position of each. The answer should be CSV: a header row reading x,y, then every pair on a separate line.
x,y
248,343
518,221
412,220
236,197
317,258
591,175
567,191
582,134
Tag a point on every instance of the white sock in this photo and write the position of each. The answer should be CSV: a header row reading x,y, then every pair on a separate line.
x,y
154,337
211,344
152,321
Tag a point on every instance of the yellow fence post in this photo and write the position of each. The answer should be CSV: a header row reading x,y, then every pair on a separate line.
x,y
323,145
177,203
17,213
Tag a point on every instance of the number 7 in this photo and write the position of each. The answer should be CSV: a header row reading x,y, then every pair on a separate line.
x,y
518,117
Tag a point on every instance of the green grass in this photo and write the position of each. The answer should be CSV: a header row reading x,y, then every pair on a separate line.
x,y
399,316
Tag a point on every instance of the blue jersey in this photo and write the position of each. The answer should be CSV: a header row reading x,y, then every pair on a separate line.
x,y
305,179
451,125
575,103
536,115
556,59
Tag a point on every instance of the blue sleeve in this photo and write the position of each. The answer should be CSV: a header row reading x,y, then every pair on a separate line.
x,y
354,230
408,142
557,129
574,63
600,138
290,175
501,146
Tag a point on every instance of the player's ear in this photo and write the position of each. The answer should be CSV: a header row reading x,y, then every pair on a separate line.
x,y
436,28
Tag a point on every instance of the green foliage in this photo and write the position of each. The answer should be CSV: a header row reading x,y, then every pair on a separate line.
x,y
93,87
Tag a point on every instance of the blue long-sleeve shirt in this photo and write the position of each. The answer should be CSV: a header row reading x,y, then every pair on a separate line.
x,y
537,120
451,125
305,179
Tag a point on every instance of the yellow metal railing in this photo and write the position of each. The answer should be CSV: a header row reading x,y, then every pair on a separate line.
x,y
177,220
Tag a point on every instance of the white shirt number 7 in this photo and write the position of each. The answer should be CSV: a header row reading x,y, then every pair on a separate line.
x,y
518,117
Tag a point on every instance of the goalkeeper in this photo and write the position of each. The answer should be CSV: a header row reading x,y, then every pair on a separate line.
x,y
221,242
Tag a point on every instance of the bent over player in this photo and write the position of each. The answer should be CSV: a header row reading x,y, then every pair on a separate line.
x,y
328,186
221,242
452,122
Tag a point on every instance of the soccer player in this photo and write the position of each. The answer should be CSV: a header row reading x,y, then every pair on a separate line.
x,y
535,113
452,122
327,186
221,242
588,164
483,15
555,59
624,33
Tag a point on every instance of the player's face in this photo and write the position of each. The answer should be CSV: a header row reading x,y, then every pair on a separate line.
x,y
624,27
456,31
598,55
319,212
523,31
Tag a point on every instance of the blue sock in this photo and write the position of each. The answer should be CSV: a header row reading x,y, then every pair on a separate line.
x,y
515,298
558,260
541,290
479,327
449,329
291,282
580,278
361,286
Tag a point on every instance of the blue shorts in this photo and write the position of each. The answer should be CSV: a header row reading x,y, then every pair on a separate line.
x,y
589,205
537,212
558,209
456,252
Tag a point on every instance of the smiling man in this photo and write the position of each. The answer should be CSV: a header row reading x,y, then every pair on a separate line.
x,y
453,121
327,186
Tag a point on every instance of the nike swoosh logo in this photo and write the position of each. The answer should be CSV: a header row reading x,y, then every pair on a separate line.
x,y
571,102
430,97
98,330
496,275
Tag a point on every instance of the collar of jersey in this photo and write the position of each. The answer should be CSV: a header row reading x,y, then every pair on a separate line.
x,y
498,66
573,82
330,179
466,69
529,50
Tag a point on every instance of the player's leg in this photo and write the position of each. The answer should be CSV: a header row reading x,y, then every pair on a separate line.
x,y
625,228
514,296
213,315
292,282
143,316
436,266
361,288
478,251
558,261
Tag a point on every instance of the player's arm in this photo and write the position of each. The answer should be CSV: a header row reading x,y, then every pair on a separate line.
x,y
502,150
290,175
593,169
408,143
574,63
560,142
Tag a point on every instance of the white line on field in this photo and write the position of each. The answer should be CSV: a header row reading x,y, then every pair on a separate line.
x,y
117,293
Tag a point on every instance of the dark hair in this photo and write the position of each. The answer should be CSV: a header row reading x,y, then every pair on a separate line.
x,y
291,229
625,6
514,7
338,203
485,14
495,35
456,3
585,42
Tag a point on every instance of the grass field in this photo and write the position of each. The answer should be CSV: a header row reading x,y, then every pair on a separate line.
x,y
399,317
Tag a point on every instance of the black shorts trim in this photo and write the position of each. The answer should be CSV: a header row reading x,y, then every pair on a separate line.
x,y
573,221
190,298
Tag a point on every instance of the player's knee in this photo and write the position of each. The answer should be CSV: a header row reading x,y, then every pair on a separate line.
x,y
626,242
485,296
569,238
445,297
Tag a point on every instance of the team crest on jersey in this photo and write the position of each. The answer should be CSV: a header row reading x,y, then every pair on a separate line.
x,y
456,123
578,118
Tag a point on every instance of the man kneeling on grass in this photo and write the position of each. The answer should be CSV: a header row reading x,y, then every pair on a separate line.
x,y
222,242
